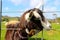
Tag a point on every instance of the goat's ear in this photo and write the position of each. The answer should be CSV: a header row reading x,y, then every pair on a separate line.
x,y
30,16
27,17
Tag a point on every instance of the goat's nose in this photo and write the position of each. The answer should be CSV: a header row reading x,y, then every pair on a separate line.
x,y
50,26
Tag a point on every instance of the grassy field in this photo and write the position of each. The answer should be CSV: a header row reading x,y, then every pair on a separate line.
x,y
48,35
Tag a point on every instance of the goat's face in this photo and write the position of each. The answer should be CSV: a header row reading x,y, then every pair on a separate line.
x,y
36,16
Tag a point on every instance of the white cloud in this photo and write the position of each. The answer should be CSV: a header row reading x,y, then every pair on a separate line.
x,y
54,2
46,1
35,3
52,8
16,2
6,8
57,2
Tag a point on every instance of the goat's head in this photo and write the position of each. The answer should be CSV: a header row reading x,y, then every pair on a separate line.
x,y
36,16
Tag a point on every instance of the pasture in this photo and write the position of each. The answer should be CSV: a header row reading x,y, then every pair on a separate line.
x,y
47,35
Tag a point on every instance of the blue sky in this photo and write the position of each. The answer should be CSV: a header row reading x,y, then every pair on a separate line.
x,y
10,7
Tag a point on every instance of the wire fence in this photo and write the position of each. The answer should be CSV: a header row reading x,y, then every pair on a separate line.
x,y
42,38
24,11
42,34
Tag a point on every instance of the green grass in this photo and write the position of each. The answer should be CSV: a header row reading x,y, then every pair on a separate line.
x,y
3,31
48,35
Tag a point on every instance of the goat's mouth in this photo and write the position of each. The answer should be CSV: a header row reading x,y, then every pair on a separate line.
x,y
47,27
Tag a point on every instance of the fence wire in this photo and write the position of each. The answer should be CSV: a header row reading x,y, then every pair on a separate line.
x,y
24,11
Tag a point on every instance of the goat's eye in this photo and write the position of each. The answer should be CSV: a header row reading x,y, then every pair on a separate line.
x,y
29,18
36,19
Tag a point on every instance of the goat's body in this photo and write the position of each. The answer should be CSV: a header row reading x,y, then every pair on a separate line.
x,y
15,32
23,24
35,22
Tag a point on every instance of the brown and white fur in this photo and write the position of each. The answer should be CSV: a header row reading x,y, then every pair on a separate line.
x,y
30,20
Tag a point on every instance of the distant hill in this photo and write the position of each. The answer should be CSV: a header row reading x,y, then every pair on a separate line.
x,y
10,18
